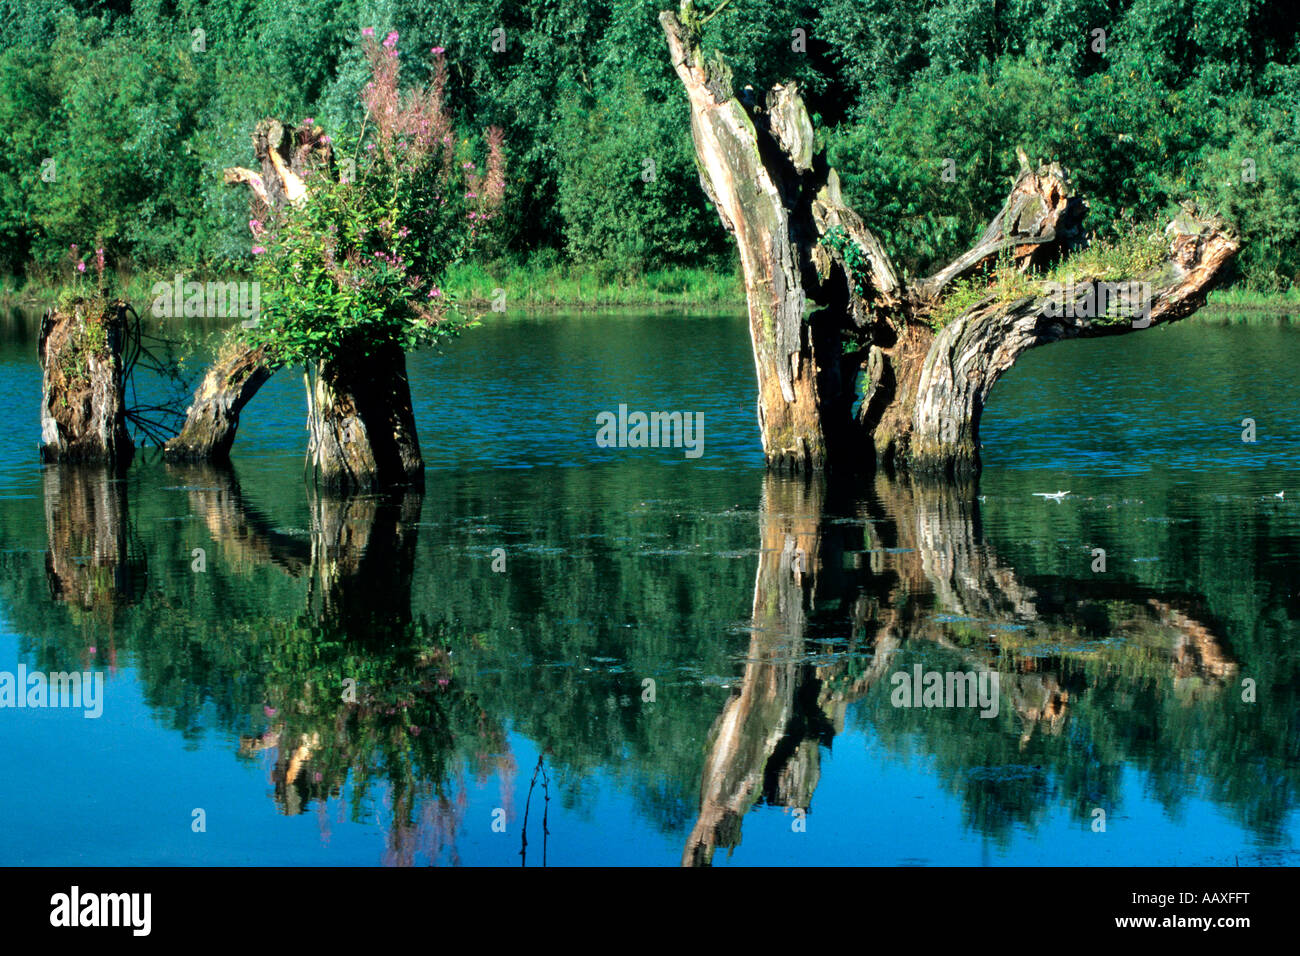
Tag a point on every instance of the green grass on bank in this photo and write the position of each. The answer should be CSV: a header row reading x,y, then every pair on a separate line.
x,y
1241,299
593,286
524,285
41,291
568,286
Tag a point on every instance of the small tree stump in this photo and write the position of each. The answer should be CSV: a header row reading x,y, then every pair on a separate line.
x,y
83,402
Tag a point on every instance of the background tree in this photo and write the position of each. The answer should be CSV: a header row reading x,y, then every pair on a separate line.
x,y
141,118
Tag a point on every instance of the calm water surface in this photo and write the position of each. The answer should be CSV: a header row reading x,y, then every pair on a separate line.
x,y
352,682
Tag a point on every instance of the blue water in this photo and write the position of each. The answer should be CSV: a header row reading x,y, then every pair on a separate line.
x,y
1121,691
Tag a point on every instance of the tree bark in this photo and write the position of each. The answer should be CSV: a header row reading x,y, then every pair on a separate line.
x,y
925,387
213,416
973,351
83,399
287,156
751,193
361,426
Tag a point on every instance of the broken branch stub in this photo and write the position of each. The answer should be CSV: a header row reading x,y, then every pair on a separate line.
x,y
288,156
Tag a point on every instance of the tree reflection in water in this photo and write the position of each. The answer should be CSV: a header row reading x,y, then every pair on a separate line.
x,y
909,567
359,664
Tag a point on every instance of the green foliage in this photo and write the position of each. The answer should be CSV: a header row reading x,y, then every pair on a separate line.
x,y
139,118
1004,284
621,176
86,295
855,260
352,268
1130,255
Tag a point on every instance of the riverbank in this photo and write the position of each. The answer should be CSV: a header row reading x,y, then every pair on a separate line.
x,y
564,286
572,287
575,287
1241,301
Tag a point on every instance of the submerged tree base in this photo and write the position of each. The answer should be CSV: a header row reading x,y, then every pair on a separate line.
x,y
361,425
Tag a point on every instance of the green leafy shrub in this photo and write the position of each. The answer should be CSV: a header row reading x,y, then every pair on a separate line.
x,y
353,267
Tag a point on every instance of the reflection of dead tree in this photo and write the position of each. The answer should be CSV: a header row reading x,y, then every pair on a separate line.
x,y
290,761
916,554
360,563
968,580
89,562
752,751
1196,651
363,559
245,536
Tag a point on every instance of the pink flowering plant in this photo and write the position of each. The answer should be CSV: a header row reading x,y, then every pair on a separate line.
x,y
81,265
354,266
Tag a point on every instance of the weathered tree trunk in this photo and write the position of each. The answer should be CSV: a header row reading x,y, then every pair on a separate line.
x,y
973,351
83,400
213,416
925,387
361,425
287,156
752,196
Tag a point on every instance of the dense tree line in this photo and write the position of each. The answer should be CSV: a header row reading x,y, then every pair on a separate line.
x,y
116,118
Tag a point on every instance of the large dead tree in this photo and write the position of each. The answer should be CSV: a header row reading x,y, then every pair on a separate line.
x,y
798,241
360,423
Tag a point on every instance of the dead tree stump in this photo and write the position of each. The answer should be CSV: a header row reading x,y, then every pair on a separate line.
x,y
83,401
